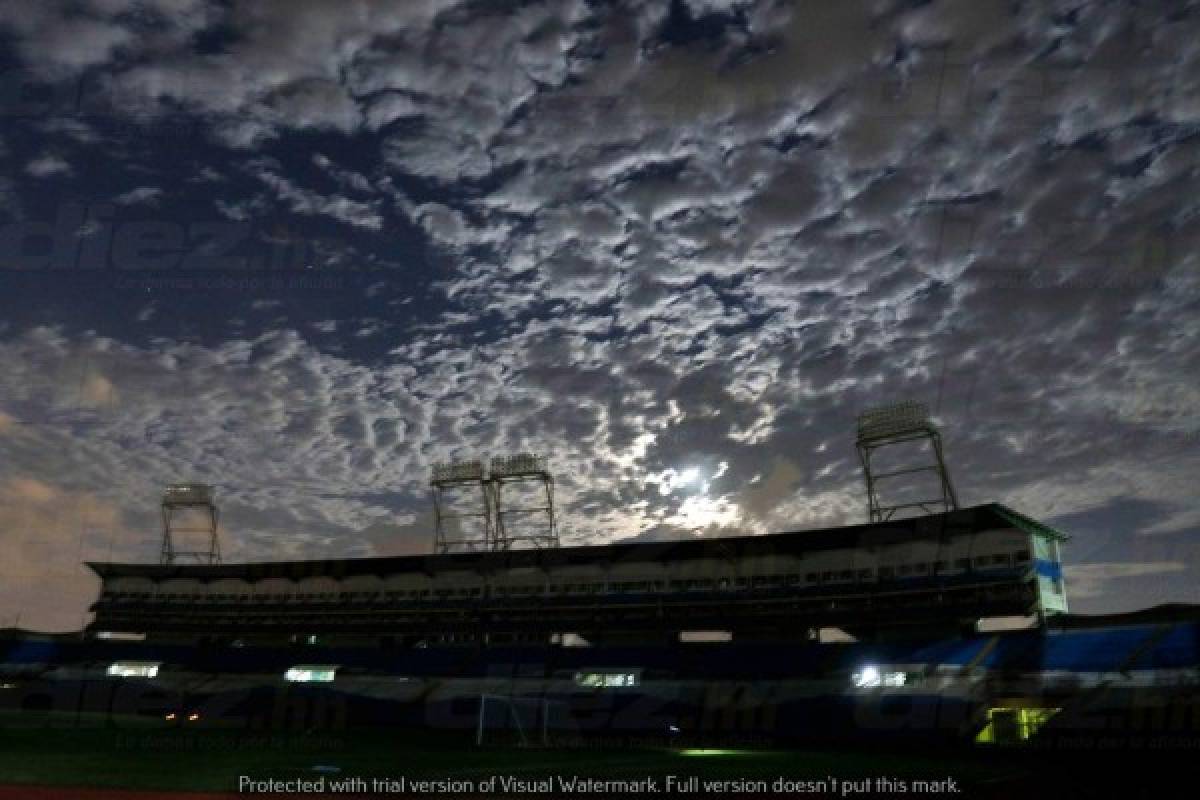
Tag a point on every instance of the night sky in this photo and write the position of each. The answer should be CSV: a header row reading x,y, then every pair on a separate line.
x,y
303,250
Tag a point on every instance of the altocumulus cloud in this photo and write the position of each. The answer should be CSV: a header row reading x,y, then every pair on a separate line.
x,y
662,238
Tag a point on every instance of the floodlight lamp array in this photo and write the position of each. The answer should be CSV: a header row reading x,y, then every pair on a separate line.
x,y
458,471
188,493
893,419
517,464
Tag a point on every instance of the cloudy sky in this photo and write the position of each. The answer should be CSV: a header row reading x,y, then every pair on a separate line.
x,y
303,250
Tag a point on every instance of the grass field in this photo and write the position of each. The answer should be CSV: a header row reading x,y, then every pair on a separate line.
x,y
140,754
82,751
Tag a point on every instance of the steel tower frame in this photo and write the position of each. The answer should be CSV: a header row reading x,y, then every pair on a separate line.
x,y
516,469
894,424
450,481
190,497
500,527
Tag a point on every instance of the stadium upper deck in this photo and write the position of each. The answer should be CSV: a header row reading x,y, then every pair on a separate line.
x,y
942,570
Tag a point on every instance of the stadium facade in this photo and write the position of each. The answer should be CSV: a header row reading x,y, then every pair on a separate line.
x,y
938,572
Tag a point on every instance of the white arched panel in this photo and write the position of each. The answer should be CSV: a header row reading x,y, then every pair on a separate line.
x,y
179,587
406,581
235,586
363,583
318,589
130,584
273,590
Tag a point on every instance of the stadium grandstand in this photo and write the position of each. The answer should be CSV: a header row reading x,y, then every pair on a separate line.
x,y
944,571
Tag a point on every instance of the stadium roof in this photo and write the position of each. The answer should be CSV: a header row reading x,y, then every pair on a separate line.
x,y
976,518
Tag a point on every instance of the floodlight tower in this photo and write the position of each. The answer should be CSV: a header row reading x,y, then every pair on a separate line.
x,y
453,485
895,424
195,502
530,470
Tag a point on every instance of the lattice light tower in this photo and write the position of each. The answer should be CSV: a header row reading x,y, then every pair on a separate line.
x,y
194,503
896,424
455,485
501,519
539,527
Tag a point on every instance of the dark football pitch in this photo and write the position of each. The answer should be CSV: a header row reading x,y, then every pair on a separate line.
x,y
169,760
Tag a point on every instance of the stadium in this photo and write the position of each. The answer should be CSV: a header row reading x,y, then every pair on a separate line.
x,y
888,631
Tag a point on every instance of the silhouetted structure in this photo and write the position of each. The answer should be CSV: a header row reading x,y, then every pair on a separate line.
x,y
190,513
897,424
509,504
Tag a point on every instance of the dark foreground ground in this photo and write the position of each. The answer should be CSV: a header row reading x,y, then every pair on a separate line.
x,y
77,759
